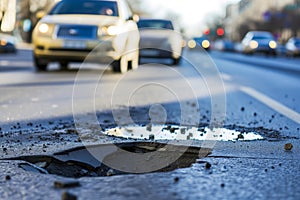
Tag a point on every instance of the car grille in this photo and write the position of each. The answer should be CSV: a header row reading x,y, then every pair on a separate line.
x,y
77,32
153,42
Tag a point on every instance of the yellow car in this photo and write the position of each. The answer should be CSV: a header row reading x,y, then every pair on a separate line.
x,y
103,30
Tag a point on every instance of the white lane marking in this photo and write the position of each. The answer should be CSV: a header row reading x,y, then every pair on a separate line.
x,y
282,109
226,77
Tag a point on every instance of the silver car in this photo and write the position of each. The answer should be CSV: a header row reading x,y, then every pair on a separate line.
x,y
159,40
293,47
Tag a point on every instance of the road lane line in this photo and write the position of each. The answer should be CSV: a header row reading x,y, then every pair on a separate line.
x,y
282,109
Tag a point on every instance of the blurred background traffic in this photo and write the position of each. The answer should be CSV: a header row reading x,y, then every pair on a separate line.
x,y
221,24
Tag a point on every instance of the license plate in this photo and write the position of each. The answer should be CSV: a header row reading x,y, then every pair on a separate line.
x,y
149,53
74,44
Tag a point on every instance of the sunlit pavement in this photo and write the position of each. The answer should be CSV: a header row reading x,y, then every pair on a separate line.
x,y
261,94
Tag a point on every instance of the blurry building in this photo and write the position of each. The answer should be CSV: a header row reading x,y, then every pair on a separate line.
x,y
277,16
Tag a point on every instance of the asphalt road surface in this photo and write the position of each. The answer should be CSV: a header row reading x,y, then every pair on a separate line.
x,y
215,89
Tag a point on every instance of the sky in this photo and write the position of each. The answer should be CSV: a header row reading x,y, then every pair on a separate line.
x,y
193,14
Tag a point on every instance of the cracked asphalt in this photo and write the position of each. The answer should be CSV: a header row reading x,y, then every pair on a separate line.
x,y
45,113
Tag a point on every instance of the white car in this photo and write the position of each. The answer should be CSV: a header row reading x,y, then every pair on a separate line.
x,y
159,40
73,29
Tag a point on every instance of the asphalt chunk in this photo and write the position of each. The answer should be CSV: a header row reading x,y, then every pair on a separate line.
x,y
66,184
288,146
68,196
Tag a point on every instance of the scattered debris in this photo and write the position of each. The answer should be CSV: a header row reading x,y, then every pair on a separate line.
x,y
66,184
151,137
7,177
68,196
207,165
240,136
288,146
149,127
110,172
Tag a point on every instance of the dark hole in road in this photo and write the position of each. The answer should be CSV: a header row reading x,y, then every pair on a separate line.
x,y
80,162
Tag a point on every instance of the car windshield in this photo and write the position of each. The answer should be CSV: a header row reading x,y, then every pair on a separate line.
x,y
156,24
200,39
108,8
262,37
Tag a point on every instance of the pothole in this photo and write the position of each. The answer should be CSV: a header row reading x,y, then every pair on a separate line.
x,y
81,161
168,132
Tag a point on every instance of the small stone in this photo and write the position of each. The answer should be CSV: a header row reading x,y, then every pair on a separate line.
x,y
207,165
240,136
110,172
182,131
172,130
222,185
224,169
242,109
288,147
149,127
176,179
255,114
4,149
7,177
66,184
68,196
151,137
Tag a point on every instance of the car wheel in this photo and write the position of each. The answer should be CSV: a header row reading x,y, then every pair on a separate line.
x,y
63,65
120,65
176,61
134,63
40,65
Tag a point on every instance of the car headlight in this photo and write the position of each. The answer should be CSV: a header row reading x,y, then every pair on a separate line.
x,y
45,29
205,44
110,30
272,44
192,44
253,44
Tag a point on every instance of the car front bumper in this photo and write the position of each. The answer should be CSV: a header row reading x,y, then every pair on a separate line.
x,y
102,51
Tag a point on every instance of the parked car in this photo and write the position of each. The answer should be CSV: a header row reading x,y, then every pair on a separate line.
x,y
259,41
199,43
73,29
293,47
7,44
160,40
224,45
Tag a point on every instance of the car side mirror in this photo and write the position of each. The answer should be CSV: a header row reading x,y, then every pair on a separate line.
x,y
134,17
